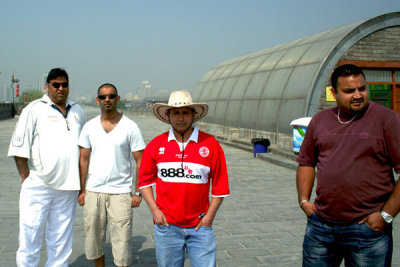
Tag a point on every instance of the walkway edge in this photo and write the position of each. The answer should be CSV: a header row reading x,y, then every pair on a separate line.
x,y
275,156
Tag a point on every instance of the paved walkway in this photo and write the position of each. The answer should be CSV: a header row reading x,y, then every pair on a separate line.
x,y
260,224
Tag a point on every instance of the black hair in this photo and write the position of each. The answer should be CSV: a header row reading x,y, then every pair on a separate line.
x,y
55,73
344,71
107,85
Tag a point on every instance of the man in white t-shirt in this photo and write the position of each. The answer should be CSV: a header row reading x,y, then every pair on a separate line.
x,y
107,142
45,148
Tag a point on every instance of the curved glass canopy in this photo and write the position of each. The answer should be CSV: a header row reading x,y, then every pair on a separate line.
x,y
268,89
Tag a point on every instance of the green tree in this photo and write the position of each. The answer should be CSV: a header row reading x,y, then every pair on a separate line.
x,y
30,95
121,104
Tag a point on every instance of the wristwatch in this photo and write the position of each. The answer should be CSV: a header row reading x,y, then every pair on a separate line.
x,y
138,194
386,216
303,201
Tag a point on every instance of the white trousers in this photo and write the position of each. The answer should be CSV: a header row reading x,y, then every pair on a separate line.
x,y
39,208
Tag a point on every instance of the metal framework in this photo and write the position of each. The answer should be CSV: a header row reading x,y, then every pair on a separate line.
x,y
268,89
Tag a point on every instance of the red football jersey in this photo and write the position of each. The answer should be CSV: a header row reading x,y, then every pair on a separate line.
x,y
182,193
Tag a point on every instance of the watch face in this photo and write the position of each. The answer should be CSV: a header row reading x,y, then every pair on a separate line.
x,y
386,217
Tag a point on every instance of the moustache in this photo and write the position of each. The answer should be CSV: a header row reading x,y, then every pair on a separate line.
x,y
361,100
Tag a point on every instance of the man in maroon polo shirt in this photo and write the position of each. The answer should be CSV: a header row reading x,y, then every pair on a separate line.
x,y
355,147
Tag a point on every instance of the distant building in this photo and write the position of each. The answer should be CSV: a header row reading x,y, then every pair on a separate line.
x,y
146,91
162,94
42,82
6,96
129,96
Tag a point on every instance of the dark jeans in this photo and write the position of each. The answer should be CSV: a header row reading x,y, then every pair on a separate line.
x,y
326,244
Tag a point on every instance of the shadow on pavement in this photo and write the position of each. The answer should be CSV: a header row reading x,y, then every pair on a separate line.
x,y
141,257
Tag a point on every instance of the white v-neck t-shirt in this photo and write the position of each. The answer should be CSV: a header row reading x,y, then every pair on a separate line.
x,y
110,168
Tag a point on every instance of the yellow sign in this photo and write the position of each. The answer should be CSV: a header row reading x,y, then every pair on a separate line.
x,y
329,95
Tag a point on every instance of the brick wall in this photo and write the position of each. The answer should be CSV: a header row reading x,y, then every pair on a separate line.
x,y
383,45
6,111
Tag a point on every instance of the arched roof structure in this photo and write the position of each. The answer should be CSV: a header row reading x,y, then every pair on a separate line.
x,y
268,89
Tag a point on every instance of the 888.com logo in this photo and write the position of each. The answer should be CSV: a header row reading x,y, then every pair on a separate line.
x,y
179,173
172,172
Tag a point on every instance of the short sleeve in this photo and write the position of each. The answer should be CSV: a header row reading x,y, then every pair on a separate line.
x,y
84,140
392,139
219,173
22,138
307,155
148,167
136,140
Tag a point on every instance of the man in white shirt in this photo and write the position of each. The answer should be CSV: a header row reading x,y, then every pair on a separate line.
x,y
107,142
45,148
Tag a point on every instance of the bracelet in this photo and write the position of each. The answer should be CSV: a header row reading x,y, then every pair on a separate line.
x,y
302,202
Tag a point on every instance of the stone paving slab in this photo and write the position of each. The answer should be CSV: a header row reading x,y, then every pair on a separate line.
x,y
259,224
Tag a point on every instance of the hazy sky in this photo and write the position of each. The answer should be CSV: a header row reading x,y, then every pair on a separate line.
x,y
170,43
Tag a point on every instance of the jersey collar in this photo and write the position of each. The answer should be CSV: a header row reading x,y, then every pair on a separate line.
x,y
194,136
45,98
68,105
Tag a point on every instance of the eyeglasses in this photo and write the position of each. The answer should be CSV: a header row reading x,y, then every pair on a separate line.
x,y
110,96
57,85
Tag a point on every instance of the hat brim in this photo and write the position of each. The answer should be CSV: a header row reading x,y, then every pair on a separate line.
x,y
160,110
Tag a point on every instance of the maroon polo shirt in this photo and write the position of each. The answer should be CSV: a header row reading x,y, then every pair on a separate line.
x,y
354,161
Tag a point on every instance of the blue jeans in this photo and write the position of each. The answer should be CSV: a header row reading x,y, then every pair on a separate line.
x,y
171,243
326,244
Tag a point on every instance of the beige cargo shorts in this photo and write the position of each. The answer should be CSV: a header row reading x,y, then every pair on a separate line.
x,y
116,210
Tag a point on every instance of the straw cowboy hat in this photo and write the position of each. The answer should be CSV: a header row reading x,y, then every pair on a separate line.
x,y
179,99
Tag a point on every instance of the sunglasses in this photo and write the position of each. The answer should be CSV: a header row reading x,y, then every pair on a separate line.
x,y
110,96
57,85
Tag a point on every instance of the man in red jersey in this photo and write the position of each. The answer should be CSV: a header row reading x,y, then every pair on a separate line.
x,y
183,163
